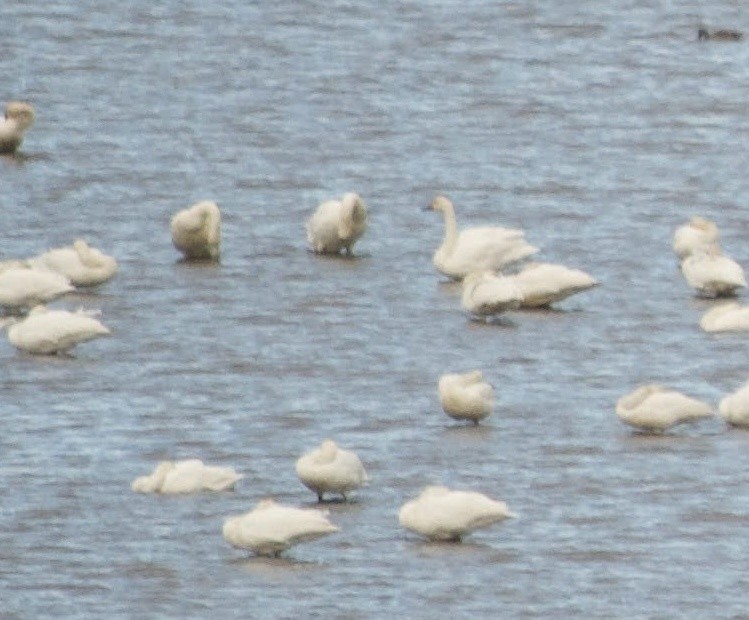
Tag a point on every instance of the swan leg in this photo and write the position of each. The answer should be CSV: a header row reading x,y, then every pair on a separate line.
x,y
319,497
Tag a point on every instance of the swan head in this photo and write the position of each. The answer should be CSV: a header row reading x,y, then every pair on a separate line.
x,y
441,204
152,483
21,113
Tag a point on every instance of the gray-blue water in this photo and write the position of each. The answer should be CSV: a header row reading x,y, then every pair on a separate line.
x,y
595,127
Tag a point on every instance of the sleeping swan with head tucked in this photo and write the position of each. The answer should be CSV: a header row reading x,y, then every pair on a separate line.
x,y
337,225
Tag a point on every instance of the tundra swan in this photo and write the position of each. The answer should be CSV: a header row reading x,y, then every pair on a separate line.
x,y
272,528
713,274
25,287
725,317
196,231
698,234
329,469
466,396
542,284
45,332
439,513
337,224
79,262
188,476
655,408
484,248
19,116
486,294
734,408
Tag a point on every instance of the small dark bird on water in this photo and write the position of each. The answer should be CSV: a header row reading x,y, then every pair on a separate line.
x,y
703,34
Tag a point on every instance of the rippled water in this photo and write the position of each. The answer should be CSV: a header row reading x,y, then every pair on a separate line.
x,y
597,129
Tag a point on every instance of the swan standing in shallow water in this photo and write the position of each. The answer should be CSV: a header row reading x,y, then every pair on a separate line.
x,y
483,248
329,469
542,284
188,476
272,528
25,287
734,408
655,409
466,396
79,262
337,224
697,235
196,231
442,514
712,274
486,294
726,317
46,332
19,116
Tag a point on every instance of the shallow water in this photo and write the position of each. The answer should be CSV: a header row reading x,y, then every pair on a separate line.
x,y
597,129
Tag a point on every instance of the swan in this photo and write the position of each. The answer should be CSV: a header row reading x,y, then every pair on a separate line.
x,y
337,224
188,476
19,116
79,262
486,294
713,274
272,528
196,231
542,284
45,332
329,469
25,287
723,34
485,248
439,513
655,408
698,234
734,408
726,317
466,396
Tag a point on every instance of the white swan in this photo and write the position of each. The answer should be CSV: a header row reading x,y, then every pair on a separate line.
x,y
45,332
19,116
485,248
24,287
713,274
726,317
466,396
196,231
329,469
188,476
542,284
734,408
272,528
697,235
442,514
486,294
655,408
79,262
337,224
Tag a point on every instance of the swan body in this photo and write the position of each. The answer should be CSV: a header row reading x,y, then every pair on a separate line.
x,y
337,224
439,513
25,287
697,235
79,262
542,284
466,396
329,469
655,409
196,231
726,317
272,528
484,248
486,294
19,116
45,332
713,274
734,408
188,476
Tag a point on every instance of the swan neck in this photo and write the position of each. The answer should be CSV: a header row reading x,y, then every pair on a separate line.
x,y
451,227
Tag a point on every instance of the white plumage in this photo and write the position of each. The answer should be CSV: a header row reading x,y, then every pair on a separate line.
x,y
486,294
542,284
24,287
272,528
188,476
734,408
655,408
46,331
330,469
196,231
726,317
337,225
484,248
697,235
439,513
713,274
19,116
79,262
466,396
